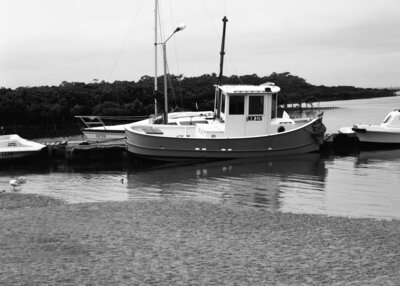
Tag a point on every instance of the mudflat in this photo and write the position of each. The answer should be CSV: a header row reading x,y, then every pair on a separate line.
x,y
182,242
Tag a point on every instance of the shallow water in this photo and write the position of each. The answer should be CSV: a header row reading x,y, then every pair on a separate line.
x,y
358,186
361,185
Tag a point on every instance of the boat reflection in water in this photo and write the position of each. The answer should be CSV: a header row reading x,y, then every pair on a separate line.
x,y
260,183
364,185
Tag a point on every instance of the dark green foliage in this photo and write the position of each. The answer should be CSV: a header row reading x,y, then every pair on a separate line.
x,y
54,107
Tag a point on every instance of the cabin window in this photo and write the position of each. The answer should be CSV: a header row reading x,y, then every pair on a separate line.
x,y
256,105
236,104
223,103
274,105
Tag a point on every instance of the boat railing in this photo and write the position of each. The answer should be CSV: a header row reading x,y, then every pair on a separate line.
x,y
90,121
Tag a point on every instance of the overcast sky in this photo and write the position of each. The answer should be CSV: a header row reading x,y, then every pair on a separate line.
x,y
326,42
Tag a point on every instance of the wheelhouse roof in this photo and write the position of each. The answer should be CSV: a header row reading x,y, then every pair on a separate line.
x,y
240,89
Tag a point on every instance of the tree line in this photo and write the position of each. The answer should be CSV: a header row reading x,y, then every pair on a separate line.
x,y
53,108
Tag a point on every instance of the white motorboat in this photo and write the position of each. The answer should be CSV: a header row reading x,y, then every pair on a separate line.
x,y
386,133
13,147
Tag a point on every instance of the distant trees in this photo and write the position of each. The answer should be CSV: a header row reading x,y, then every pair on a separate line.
x,y
53,107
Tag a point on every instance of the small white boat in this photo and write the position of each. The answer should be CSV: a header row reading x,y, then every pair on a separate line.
x,y
103,132
96,129
387,133
13,147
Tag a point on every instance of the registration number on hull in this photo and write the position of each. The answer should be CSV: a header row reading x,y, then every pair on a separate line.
x,y
254,118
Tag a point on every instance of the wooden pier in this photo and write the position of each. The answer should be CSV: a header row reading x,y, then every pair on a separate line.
x,y
73,150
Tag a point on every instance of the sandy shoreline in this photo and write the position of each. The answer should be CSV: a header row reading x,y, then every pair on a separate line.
x,y
170,242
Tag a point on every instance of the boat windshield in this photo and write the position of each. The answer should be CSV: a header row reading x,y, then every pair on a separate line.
x,y
236,104
256,105
387,119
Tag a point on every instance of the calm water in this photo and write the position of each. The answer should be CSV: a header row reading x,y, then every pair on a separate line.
x,y
362,185
350,112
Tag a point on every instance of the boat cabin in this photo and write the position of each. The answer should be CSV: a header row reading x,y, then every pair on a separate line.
x,y
239,111
247,110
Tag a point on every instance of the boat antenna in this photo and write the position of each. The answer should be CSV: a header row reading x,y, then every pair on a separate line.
x,y
222,53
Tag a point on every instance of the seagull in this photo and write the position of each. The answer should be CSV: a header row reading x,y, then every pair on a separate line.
x,y
17,182
14,184
21,180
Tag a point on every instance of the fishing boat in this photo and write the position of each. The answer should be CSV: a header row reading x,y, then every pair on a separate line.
x,y
387,133
245,125
96,129
14,147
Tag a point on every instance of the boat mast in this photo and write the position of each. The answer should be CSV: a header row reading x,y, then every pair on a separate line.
x,y
155,56
165,83
217,101
222,53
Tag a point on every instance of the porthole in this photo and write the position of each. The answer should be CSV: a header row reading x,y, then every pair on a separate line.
x,y
281,129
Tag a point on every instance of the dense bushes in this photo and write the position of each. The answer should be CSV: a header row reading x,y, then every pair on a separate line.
x,y
55,106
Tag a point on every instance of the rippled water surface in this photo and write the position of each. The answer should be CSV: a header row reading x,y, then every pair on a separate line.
x,y
361,185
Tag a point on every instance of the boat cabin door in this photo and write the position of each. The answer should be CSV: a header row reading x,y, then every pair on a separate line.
x,y
236,118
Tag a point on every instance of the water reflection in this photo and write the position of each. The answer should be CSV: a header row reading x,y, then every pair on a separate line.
x,y
363,185
250,182
260,183
75,183
374,157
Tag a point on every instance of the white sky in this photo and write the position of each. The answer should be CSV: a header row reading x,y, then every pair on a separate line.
x,y
327,42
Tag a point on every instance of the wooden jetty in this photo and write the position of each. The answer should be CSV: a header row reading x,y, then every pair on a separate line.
x,y
73,150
